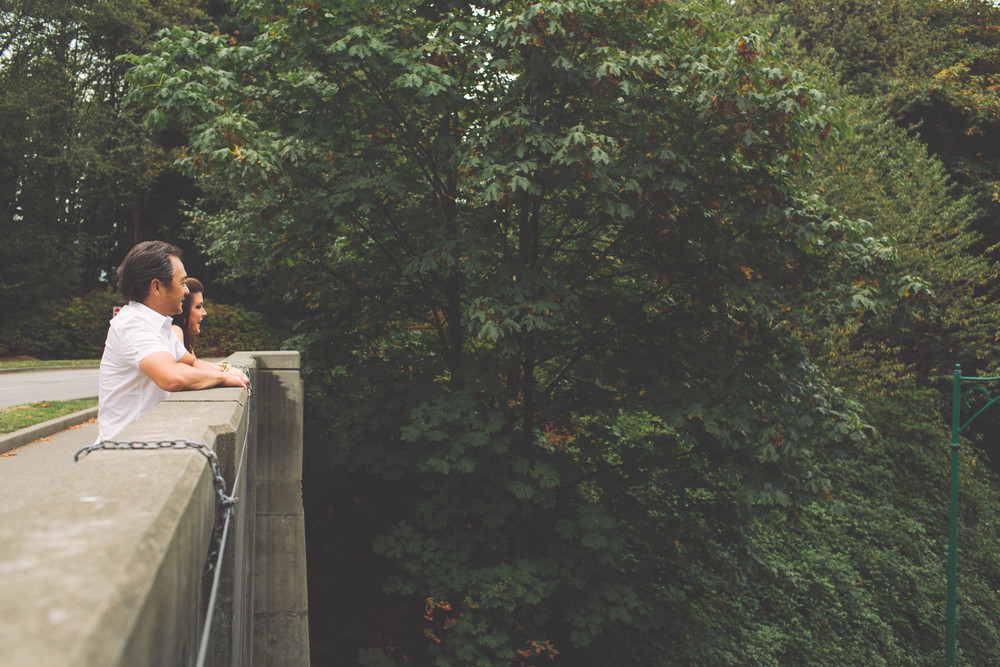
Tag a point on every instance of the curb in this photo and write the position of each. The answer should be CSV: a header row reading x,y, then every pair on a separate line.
x,y
32,433
47,368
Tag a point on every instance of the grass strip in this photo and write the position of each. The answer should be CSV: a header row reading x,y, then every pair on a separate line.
x,y
43,363
17,417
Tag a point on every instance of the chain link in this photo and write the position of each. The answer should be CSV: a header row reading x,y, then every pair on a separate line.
x,y
224,503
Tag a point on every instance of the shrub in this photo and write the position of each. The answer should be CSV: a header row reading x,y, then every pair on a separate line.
x,y
70,328
227,329
76,327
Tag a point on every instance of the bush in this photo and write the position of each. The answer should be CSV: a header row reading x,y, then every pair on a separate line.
x,y
227,329
71,328
76,327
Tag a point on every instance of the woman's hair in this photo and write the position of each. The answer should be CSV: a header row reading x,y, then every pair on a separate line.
x,y
145,262
194,287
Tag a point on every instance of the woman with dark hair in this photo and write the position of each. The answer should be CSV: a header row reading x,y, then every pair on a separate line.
x,y
187,324
143,361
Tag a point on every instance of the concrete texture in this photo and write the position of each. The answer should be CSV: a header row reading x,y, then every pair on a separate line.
x,y
102,561
32,462
281,614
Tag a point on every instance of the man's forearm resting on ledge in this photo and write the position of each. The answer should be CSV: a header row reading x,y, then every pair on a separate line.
x,y
184,374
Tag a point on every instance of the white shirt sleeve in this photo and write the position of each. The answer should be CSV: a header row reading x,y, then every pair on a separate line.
x,y
140,342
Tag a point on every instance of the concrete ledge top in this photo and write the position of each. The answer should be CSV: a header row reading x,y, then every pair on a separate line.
x,y
274,360
102,565
82,558
79,559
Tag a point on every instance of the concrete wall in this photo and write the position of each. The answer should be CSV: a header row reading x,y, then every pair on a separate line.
x,y
281,618
106,567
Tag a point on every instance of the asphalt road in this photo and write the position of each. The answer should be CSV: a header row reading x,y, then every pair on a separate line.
x,y
22,387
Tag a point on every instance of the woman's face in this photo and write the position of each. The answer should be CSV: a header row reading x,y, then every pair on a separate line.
x,y
197,313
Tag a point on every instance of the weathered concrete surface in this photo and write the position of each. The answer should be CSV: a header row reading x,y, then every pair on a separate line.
x,y
106,562
195,416
30,466
281,615
103,564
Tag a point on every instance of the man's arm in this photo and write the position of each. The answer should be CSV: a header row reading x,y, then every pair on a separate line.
x,y
179,375
198,363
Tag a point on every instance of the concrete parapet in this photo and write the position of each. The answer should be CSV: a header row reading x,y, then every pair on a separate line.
x,y
106,566
97,568
281,619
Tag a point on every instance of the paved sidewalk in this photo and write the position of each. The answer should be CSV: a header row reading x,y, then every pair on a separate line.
x,y
31,466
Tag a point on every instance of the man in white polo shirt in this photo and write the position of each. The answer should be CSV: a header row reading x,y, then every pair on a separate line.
x,y
143,361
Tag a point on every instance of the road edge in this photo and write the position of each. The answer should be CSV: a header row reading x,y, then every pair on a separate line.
x,y
25,369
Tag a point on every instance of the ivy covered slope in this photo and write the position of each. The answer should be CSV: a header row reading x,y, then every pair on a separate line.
x,y
559,272
933,65
859,578
898,365
902,168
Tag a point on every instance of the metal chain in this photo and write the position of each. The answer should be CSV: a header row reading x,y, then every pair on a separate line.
x,y
224,503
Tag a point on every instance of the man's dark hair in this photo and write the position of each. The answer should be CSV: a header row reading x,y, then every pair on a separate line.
x,y
145,262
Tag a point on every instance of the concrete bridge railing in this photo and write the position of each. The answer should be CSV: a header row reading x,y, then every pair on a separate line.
x,y
107,565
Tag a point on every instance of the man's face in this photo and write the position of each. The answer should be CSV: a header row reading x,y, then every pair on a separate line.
x,y
175,292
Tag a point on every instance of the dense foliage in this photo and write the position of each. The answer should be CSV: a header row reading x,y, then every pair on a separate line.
x,y
934,65
81,180
75,328
896,365
626,341
554,259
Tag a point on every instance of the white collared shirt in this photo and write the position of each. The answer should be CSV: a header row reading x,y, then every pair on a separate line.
x,y
125,393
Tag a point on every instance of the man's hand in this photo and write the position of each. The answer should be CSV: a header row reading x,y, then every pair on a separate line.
x,y
234,377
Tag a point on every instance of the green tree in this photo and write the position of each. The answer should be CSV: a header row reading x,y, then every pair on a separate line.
x,y
81,180
934,64
547,258
862,575
947,310
898,368
876,551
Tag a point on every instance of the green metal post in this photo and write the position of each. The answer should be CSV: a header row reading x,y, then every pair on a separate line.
x,y
956,407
